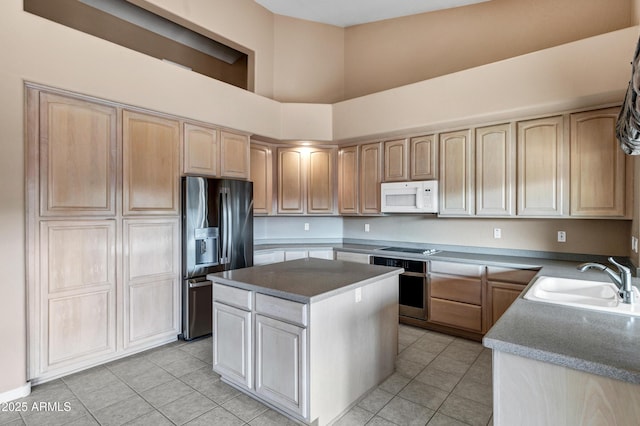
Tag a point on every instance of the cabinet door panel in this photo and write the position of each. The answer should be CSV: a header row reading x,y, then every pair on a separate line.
x,y
541,159
456,174
262,177
151,275
597,165
281,363
396,161
320,178
201,150
78,144
150,164
348,180
424,158
501,296
232,346
495,171
291,177
78,292
234,154
370,177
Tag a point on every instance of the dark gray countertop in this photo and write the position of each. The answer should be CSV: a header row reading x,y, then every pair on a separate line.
x,y
304,280
596,342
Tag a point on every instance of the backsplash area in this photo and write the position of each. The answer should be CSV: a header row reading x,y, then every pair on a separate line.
x,y
602,237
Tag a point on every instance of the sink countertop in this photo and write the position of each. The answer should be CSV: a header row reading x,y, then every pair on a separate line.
x,y
304,280
586,340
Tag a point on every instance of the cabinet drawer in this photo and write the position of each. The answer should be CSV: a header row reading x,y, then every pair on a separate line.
x,y
285,310
466,290
232,296
510,275
465,269
456,314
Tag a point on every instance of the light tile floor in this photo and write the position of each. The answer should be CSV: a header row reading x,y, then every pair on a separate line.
x,y
439,380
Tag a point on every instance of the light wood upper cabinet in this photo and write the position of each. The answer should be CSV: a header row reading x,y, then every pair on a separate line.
x,y
495,171
234,155
456,174
542,167
151,153
598,165
320,181
306,180
201,150
424,157
370,177
291,177
262,178
348,180
78,151
396,160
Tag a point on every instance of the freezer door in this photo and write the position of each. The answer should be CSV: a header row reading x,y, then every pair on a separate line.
x,y
196,309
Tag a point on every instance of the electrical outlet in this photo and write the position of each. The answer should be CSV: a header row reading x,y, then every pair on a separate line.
x,y
497,233
562,237
358,294
367,228
306,226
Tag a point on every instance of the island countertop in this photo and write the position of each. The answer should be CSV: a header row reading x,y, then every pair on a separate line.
x,y
304,280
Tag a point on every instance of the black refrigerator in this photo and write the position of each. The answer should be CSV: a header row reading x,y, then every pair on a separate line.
x,y
217,235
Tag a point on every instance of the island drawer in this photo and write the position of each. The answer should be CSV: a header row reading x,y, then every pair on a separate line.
x,y
232,296
282,309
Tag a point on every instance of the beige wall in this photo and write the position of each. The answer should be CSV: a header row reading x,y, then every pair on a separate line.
x,y
309,61
598,237
394,52
580,74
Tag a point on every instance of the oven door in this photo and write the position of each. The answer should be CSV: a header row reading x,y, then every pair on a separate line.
x,y
413,295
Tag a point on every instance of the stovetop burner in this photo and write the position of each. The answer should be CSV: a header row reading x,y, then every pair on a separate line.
x,y
410,250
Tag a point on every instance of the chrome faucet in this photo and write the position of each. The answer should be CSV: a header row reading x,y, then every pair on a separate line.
x,y
622,278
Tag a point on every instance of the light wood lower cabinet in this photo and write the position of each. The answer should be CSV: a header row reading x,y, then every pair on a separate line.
x,y
504,285
352,257
77,298
456,301
233,343
281,363
151,280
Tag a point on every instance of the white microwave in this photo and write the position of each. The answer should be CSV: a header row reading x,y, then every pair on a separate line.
x,y
410,197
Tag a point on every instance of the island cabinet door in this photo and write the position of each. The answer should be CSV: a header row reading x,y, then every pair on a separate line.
x,y
281,364
232,344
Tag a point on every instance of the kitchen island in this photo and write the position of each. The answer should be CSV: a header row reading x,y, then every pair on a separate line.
x,y
307,337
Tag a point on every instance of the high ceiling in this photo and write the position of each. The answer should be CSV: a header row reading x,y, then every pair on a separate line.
x,y
344,13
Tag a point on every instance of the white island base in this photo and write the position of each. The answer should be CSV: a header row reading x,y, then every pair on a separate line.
x,y
311,361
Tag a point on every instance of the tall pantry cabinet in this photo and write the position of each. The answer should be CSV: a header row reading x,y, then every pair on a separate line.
x,y
102,231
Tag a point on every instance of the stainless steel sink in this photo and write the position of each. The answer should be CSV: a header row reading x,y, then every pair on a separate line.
x,y
596,295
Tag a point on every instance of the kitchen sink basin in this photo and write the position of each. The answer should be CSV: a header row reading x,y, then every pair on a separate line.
x,y
596,295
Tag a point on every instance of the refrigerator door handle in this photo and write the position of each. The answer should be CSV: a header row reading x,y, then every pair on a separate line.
x,y
226,226
229,231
